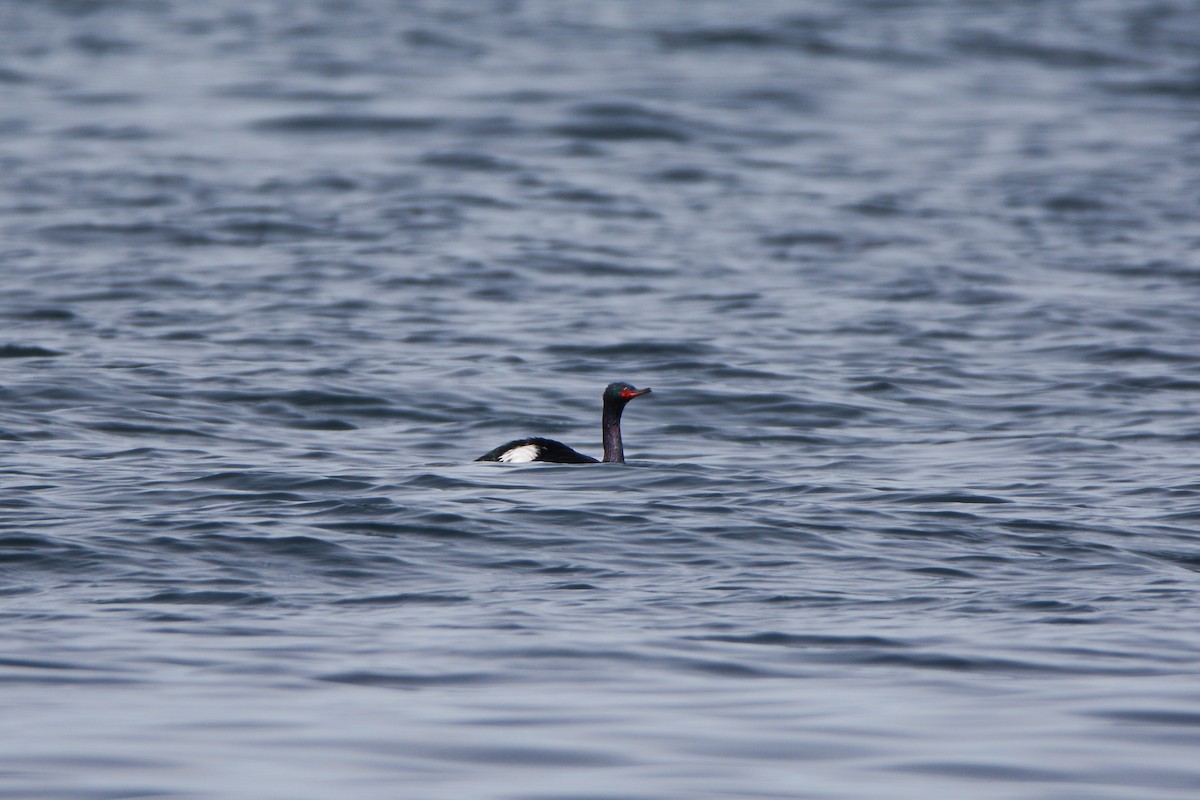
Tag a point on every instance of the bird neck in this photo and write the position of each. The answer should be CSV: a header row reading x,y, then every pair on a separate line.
x,y
611,427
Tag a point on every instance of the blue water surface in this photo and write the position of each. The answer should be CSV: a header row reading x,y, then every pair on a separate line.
x,y
912,511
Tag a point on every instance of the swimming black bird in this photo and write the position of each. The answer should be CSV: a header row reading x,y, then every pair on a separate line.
x,y
535,448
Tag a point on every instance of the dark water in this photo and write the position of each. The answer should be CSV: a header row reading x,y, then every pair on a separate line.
x,y
911,513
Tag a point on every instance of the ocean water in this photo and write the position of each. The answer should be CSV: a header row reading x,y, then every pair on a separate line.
x,y
912,512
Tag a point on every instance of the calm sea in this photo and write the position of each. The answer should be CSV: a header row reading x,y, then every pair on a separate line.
x,y
912,512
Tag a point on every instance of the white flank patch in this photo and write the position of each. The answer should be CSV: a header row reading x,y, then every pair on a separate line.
x,y
519,455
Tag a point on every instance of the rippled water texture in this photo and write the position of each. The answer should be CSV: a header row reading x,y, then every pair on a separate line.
x,y
911,513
